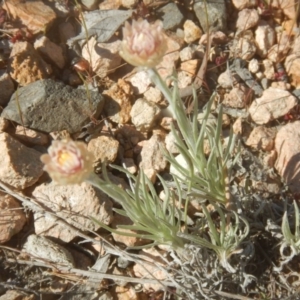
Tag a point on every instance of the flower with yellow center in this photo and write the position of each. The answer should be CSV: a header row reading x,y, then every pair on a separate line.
x,y
144,44
68,162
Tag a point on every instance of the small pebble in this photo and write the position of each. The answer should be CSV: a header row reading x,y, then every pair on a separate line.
x,y
186,54
253,65
192,32
265,83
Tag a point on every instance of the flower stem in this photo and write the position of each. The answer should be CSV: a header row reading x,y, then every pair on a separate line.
x,y
158,81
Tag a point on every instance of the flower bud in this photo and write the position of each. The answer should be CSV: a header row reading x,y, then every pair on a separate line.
x,y
68,162
144,44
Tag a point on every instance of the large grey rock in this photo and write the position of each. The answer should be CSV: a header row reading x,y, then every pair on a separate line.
x,y
47,105
172,17
216,14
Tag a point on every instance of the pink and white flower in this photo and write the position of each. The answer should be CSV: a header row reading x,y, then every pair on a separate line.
x,y
144,44
68,162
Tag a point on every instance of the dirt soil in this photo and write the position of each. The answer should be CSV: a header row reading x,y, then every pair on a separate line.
x,y
61,75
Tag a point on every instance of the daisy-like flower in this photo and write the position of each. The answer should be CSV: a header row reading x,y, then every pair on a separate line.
x,y
144,44
68,162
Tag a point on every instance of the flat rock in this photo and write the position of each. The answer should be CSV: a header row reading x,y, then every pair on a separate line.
x,y
144,114
140,82
227,79
74,204
288,7
168,64
171,143
48,106
6,87
246,47
287,145
261,138
104,58
192,32
237,97
291,26
265,38
187,73
279,51
247,18
104,148
35,15
12,217
154,95
216,13
273,104
270,158
237,126
186,53
25,65
253,66
43,248
50,50
268,69
20,166
171,16
152,159
292,67
100,23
